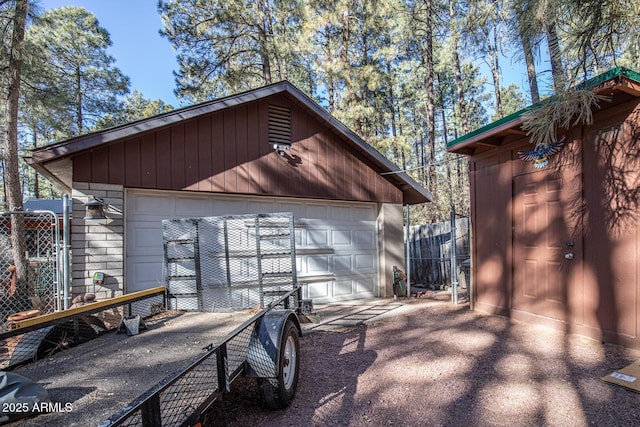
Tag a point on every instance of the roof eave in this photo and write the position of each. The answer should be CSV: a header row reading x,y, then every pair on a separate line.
x,y
620,78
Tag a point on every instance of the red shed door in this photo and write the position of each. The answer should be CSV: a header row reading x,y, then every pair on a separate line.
x,y
547,250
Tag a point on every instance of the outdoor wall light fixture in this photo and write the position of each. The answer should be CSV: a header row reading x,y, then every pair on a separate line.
x,y
95,209
281,148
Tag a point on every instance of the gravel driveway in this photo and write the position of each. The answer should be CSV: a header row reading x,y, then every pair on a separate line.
x,y
425,362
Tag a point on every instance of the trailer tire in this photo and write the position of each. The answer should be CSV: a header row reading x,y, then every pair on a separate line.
x,y
278,392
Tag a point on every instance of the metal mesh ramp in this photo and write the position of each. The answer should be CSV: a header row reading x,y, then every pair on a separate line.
x,y
229,263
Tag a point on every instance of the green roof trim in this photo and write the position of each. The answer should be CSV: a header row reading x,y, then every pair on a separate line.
x,y
588,84
609,75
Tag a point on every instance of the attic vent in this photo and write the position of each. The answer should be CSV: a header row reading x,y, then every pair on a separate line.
x,y
279,128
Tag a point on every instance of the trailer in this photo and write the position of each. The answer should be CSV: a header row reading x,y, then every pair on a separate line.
x,y
229,307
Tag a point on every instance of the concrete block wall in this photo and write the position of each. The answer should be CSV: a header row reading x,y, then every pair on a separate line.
x,y
97,245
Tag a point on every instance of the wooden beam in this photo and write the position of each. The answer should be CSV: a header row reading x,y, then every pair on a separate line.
x,y
489,143
91,307
630,87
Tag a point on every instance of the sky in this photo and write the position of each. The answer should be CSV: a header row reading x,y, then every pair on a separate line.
x,y
139,50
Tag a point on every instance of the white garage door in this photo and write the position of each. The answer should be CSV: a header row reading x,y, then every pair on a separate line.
x,y
332,239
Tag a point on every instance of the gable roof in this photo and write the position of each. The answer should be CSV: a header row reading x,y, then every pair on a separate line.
x,y
617,80
413,193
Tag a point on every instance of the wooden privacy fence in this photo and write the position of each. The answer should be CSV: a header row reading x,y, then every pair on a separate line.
x,y
430,250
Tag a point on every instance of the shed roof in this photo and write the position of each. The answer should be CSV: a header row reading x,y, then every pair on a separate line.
x,y
413,193
616,80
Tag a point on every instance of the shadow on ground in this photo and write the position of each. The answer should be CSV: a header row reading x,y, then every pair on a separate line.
x,y
428,362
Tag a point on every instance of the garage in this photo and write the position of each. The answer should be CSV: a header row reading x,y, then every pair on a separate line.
x,y
267,150
337,241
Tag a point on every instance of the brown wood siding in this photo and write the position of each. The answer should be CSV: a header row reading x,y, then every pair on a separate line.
x,y
205,161
491,183
612,242
192,164
605,304
228,151
147,162
163,167
133,163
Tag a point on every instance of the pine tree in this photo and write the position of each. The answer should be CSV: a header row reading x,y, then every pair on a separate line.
x,y
81,73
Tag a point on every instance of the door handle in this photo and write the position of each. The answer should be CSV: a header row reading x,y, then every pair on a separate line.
x,y
568,255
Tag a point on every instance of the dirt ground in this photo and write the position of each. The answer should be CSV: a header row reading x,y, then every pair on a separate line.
x,y
426,362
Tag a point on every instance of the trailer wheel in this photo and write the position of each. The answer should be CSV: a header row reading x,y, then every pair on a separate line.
x,y
278,392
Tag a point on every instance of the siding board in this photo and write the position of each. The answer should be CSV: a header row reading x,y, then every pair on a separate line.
x,y
264,148
217,151
313,166
148,161
242,156
82,167
100,165
163,159
178,159
253,148
205,143
116,157
191,153
132,166
324,181
229,141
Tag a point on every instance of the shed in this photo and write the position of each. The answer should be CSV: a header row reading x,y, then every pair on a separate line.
x,y
271,149
559,244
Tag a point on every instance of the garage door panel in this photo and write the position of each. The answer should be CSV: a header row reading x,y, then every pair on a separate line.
x,y
318,264
364,262
363,214
342,213
364,239
317,238
145,206
299,211
341,238
365,286
343,288
317,211
187,207
342,264
145,238
144,275
317,291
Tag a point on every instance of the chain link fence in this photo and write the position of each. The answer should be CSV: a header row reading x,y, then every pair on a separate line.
x,y
75,351
39,290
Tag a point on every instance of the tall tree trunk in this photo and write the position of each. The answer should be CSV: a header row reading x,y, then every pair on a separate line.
x,y
495,68
353,99
10,146
531,67
462,103
430,88
79,100
557,69
36,181
266,33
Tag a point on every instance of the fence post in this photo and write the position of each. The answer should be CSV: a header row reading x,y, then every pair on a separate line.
x,y
454,266
65,251
408,252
